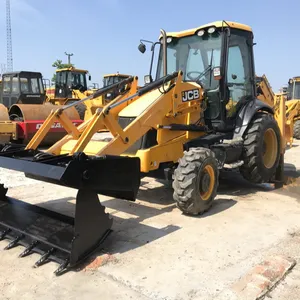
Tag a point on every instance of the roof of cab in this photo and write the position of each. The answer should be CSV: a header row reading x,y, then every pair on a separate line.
x,y
217,24
72,69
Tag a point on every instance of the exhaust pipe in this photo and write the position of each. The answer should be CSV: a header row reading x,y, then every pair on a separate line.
x,y
164,40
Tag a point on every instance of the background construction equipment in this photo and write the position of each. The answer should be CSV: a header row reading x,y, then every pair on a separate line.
x,y
24,107
266,94
293,105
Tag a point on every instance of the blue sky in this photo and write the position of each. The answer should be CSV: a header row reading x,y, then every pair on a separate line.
x,y
104,34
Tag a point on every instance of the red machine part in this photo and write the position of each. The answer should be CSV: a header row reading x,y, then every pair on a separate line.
x,y
26,130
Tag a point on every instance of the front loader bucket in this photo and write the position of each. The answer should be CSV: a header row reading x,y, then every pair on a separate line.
x,y
58,237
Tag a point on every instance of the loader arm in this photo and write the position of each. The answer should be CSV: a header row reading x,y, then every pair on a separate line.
x,y
161,103
277,101
265,92
59,115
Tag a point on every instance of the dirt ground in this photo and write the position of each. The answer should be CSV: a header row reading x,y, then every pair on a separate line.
x,y
155,252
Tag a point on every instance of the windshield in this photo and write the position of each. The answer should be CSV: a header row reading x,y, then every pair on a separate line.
x,y
194,55
76,80
112,79
294,90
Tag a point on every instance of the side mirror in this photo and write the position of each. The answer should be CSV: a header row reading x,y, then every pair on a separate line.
x,y
108,96
90,77
148,79
217,73
142,47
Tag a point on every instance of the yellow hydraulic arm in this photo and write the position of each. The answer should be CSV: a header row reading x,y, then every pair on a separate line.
x,y
158,107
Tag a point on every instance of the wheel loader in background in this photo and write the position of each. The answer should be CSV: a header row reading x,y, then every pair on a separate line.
x,y
101,101
178,126
266,94
293,104
71,86
24,107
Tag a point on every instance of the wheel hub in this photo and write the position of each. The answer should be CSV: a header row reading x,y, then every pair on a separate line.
x,y
205,182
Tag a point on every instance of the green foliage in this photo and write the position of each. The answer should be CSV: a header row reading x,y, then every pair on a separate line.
x,y
58,64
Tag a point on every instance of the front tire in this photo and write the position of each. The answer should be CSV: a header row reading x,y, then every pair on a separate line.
x,y
196,181
261,149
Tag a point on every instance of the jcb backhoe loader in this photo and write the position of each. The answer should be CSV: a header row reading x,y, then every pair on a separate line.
x,y
293,104
265,93
175,126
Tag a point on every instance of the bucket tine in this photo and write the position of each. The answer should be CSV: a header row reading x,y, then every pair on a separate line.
x,y
29,249
44,258
14,242
62,267
4,233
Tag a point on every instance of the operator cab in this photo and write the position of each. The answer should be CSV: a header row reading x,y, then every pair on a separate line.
x,y
293,89
69,79
218,57
23,87
112,79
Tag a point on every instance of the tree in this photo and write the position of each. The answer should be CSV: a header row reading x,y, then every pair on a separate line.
x,y
58,64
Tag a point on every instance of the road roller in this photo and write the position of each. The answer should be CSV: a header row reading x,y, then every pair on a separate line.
x,y
24,107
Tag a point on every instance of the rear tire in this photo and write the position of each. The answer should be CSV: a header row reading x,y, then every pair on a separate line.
x,y
261,152
80,107
297,130
196,181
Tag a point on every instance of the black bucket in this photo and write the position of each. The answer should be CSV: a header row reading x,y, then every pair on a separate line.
x,y
57,237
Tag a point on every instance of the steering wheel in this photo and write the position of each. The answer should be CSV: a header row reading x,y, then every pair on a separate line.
x,y
194,78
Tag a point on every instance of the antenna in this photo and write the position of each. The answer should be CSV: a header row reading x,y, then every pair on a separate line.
x,y
8,37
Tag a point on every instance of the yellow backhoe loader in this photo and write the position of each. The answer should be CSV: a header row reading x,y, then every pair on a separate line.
x,y
176,126
265,93
293,105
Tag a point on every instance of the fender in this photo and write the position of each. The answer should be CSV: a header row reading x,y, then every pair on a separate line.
x,y
246,114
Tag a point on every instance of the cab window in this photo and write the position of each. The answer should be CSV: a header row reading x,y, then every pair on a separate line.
x,y
34,86
7,85
24,85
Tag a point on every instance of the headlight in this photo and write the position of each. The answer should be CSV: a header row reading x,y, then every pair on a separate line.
x,y
200,32
169,39
211,29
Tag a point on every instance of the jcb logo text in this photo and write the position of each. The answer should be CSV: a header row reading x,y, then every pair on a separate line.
x,y
190,95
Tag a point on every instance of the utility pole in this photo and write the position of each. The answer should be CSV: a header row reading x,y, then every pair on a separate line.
x,y
8,38
69,57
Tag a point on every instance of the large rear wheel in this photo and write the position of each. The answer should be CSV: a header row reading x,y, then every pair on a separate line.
x,y
297,130
196,181
80,107
261,149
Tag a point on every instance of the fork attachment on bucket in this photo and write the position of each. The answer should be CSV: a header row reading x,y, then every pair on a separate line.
x,y
64,239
